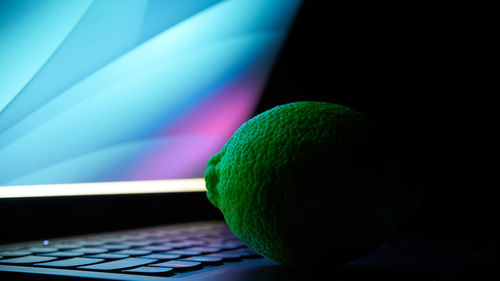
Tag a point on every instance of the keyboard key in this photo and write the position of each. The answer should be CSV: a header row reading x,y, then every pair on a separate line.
x,y
179,264
27,259
148,269
115,246
244,252
109,256
235,241
160,240
137,243
226,256
200,235
204,249
196,242
127,237
184,252
179,238
162,256
119,264
160,248
133,252
63,254
90,250
70,262
184,244
93,242
38,250
67,246
224,245
116,239
138,236
204,259
14,253
105,239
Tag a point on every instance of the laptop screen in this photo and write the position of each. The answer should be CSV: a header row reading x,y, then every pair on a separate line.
x,y
128,96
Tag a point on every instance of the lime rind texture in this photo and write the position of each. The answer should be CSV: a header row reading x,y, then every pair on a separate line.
x,y
292,171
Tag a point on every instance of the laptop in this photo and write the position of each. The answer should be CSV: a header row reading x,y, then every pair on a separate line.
x,y
109,111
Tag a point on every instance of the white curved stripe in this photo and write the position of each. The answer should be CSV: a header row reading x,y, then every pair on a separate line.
x,y
17,55
96,39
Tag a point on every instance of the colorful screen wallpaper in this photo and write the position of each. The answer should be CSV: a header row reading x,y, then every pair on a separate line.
x,y
126,90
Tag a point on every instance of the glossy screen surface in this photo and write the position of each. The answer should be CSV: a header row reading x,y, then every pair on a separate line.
x,y
129,90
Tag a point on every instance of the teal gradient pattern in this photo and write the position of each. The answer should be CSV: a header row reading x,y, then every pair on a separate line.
x,y
116,90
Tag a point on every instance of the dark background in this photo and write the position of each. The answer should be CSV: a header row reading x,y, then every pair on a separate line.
x,y
427,73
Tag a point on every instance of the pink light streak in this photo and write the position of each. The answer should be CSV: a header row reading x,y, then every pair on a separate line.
x,y
193,140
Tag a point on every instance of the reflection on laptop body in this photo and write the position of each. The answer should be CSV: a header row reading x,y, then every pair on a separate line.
x,y
129,97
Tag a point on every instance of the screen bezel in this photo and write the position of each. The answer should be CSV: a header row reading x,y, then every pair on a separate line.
x,y
41,218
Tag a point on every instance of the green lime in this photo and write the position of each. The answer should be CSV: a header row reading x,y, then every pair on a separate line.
x,y
302,182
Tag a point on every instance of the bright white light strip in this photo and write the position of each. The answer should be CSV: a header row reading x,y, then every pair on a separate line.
x,y
104,188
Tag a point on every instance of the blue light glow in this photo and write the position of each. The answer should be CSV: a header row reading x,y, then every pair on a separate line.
x,y
88,87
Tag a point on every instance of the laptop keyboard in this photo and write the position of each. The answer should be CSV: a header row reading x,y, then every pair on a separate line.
x,y
160,251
